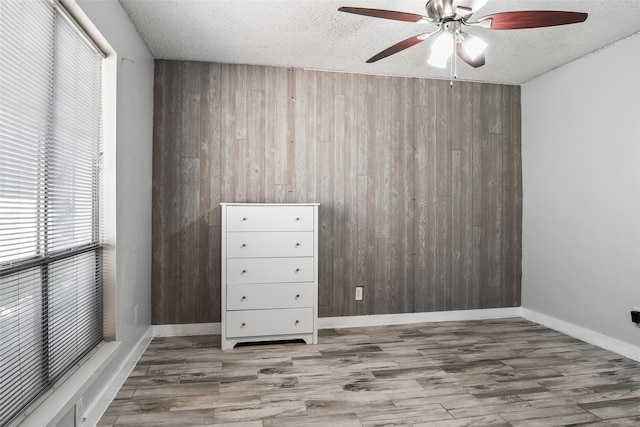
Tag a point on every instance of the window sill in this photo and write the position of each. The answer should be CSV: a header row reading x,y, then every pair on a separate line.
x,y
64,395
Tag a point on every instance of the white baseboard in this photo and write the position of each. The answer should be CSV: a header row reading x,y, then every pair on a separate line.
x,y
404,318
187,329
106,395
583,334
595,338
351,321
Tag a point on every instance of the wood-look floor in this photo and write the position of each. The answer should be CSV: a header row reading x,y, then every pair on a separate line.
x,y
508,372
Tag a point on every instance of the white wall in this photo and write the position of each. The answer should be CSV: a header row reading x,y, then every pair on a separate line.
x,y
133,165
130,200
581,193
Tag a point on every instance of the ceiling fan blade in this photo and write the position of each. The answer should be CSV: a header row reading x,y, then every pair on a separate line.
x,y
530,19
462,54
404,44
386,14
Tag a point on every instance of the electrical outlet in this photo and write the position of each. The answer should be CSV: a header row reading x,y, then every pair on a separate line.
x,y
358,293
79,409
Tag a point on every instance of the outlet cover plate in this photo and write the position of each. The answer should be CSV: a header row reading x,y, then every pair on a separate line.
x,y
358,293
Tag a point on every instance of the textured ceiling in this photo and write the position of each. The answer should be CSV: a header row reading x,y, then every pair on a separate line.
x,y
312,34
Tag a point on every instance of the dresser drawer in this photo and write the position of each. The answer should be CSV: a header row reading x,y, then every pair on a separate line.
x,y
270,218
269,244
269,295
269,270
269,322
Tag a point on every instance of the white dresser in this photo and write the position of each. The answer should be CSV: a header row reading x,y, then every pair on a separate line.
x,y
269,272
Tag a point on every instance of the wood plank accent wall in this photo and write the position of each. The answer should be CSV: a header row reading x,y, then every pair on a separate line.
x,y
419,184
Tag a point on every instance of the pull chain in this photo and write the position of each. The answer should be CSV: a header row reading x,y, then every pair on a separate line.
x,y
453,60
454,67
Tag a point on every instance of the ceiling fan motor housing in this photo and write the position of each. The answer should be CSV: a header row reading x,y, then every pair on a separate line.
x,y
439,9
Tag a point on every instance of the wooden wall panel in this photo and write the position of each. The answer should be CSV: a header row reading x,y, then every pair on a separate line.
x,y
419,184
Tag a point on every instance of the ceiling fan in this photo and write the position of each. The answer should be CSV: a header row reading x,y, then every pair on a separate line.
x,y
451,16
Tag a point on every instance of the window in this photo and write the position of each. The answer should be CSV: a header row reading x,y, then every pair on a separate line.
x,y
50,254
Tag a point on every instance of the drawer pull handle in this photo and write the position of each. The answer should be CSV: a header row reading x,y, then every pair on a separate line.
x,y
244,218
243,271
298,219
297,296
297,322
244,245
297,245
243,325
243,298
297,270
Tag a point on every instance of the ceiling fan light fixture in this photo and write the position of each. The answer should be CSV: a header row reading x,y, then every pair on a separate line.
x,y
441,50
474,46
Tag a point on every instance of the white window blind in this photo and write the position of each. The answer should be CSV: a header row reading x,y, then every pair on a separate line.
x,y
50,255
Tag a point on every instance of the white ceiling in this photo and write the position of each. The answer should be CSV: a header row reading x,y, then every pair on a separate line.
x,y
312,34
